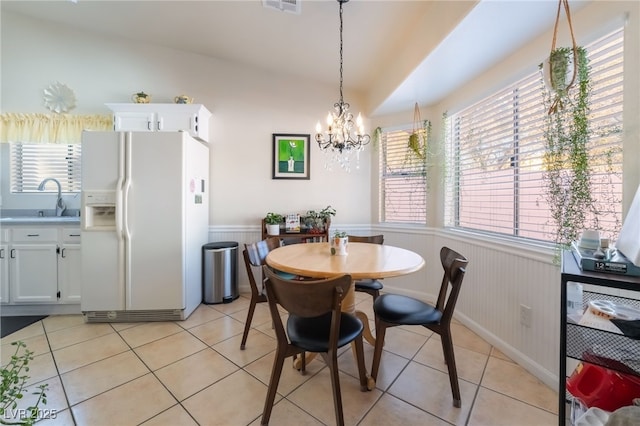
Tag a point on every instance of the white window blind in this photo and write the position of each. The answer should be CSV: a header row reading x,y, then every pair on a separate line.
x,y
31,163
495,147
403,180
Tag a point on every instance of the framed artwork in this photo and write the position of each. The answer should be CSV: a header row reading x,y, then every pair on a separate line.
x,y
290,156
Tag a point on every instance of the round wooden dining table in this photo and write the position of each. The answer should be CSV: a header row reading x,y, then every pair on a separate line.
x,y
363,260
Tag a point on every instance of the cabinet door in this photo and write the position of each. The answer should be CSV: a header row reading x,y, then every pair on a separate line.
x,y
69,273
34,273
174,121
4,273
132,121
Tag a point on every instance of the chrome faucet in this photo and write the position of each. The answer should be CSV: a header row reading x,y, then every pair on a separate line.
x,y
60,206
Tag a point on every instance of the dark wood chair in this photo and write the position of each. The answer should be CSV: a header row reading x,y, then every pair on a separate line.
x,y
316,324
392,310
254,256
369,286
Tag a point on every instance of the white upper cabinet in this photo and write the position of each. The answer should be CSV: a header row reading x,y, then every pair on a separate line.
x,y
191,118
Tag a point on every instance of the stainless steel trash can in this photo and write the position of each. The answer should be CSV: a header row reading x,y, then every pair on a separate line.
x,y
219,272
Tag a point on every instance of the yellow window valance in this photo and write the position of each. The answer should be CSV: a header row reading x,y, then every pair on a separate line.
x,y
50,128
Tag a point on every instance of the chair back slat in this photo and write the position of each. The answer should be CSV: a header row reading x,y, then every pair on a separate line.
x,y
248,264
257,252
454,265
373,239
307,298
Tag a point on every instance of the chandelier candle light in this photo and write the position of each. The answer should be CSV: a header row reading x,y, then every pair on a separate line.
x,y
339,140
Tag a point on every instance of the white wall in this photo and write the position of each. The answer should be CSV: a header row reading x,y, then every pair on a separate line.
x,y
247,106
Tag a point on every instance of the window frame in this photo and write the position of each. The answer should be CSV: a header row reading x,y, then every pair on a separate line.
x,y
454,188
31,163
396,164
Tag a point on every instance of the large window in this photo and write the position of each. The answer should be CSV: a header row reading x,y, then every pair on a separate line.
x,y
31,163
494,153
403,179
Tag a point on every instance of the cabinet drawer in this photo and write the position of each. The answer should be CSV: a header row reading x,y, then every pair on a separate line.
x,y
4,235
71,235
34,234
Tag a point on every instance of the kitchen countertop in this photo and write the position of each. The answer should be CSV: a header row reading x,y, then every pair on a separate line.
x,y
48,220
38,217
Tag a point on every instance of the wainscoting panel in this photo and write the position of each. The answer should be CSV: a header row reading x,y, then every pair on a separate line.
x,y
498,280
496,284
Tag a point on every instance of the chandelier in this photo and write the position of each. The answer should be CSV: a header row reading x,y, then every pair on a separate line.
x,y
344,136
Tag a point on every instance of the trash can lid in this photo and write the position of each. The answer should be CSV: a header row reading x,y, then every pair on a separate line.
x,y
220,245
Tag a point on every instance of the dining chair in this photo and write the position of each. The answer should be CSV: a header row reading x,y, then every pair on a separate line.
x,y
254,256
315,324
370,286
392,310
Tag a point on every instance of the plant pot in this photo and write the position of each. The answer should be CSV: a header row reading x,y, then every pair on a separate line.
x,y
273,229
560,63
339,246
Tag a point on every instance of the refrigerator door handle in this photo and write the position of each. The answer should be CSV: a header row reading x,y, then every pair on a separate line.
x,y
126,235
119,185
127,186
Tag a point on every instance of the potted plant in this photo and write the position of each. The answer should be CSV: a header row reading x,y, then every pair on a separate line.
x,y
560,71
273,221
339,243
317,222
567,170
12,389
418,138
566,160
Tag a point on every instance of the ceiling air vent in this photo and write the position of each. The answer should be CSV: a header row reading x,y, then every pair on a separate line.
x,y
291,6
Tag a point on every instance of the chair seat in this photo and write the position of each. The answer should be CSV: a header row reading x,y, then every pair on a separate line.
x,y
368,285
312,334
398,309
285,275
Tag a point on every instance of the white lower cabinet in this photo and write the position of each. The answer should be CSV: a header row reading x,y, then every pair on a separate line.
x,y
43,266
69,267
33,265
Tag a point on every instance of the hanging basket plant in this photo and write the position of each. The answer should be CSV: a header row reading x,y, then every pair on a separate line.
x,y
567,172
559,72
418,138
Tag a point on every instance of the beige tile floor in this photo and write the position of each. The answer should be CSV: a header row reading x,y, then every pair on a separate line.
x,y
193,372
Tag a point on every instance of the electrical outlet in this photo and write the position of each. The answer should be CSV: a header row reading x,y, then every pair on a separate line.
x,y
525,315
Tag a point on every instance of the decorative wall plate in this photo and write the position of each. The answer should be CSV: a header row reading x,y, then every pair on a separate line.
x,y
59,98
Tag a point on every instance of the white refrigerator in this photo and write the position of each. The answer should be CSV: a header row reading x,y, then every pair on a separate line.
x,y
145,214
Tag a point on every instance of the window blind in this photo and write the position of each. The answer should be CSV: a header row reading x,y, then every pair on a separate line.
x,y
403,179
495,150
31,163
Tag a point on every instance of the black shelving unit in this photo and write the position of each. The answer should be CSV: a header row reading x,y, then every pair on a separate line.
x,y
610,350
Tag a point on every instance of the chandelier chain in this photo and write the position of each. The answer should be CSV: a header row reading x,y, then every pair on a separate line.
x,y
341,79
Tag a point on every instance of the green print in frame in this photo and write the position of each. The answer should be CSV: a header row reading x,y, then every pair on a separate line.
x,y
291,156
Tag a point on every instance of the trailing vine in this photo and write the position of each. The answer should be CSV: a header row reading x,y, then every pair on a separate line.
x,y
566,160
377,133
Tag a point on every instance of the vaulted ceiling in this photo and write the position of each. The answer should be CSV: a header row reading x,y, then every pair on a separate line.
x,y
396,52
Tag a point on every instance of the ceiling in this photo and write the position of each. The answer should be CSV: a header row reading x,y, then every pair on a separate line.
x,y
395,52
